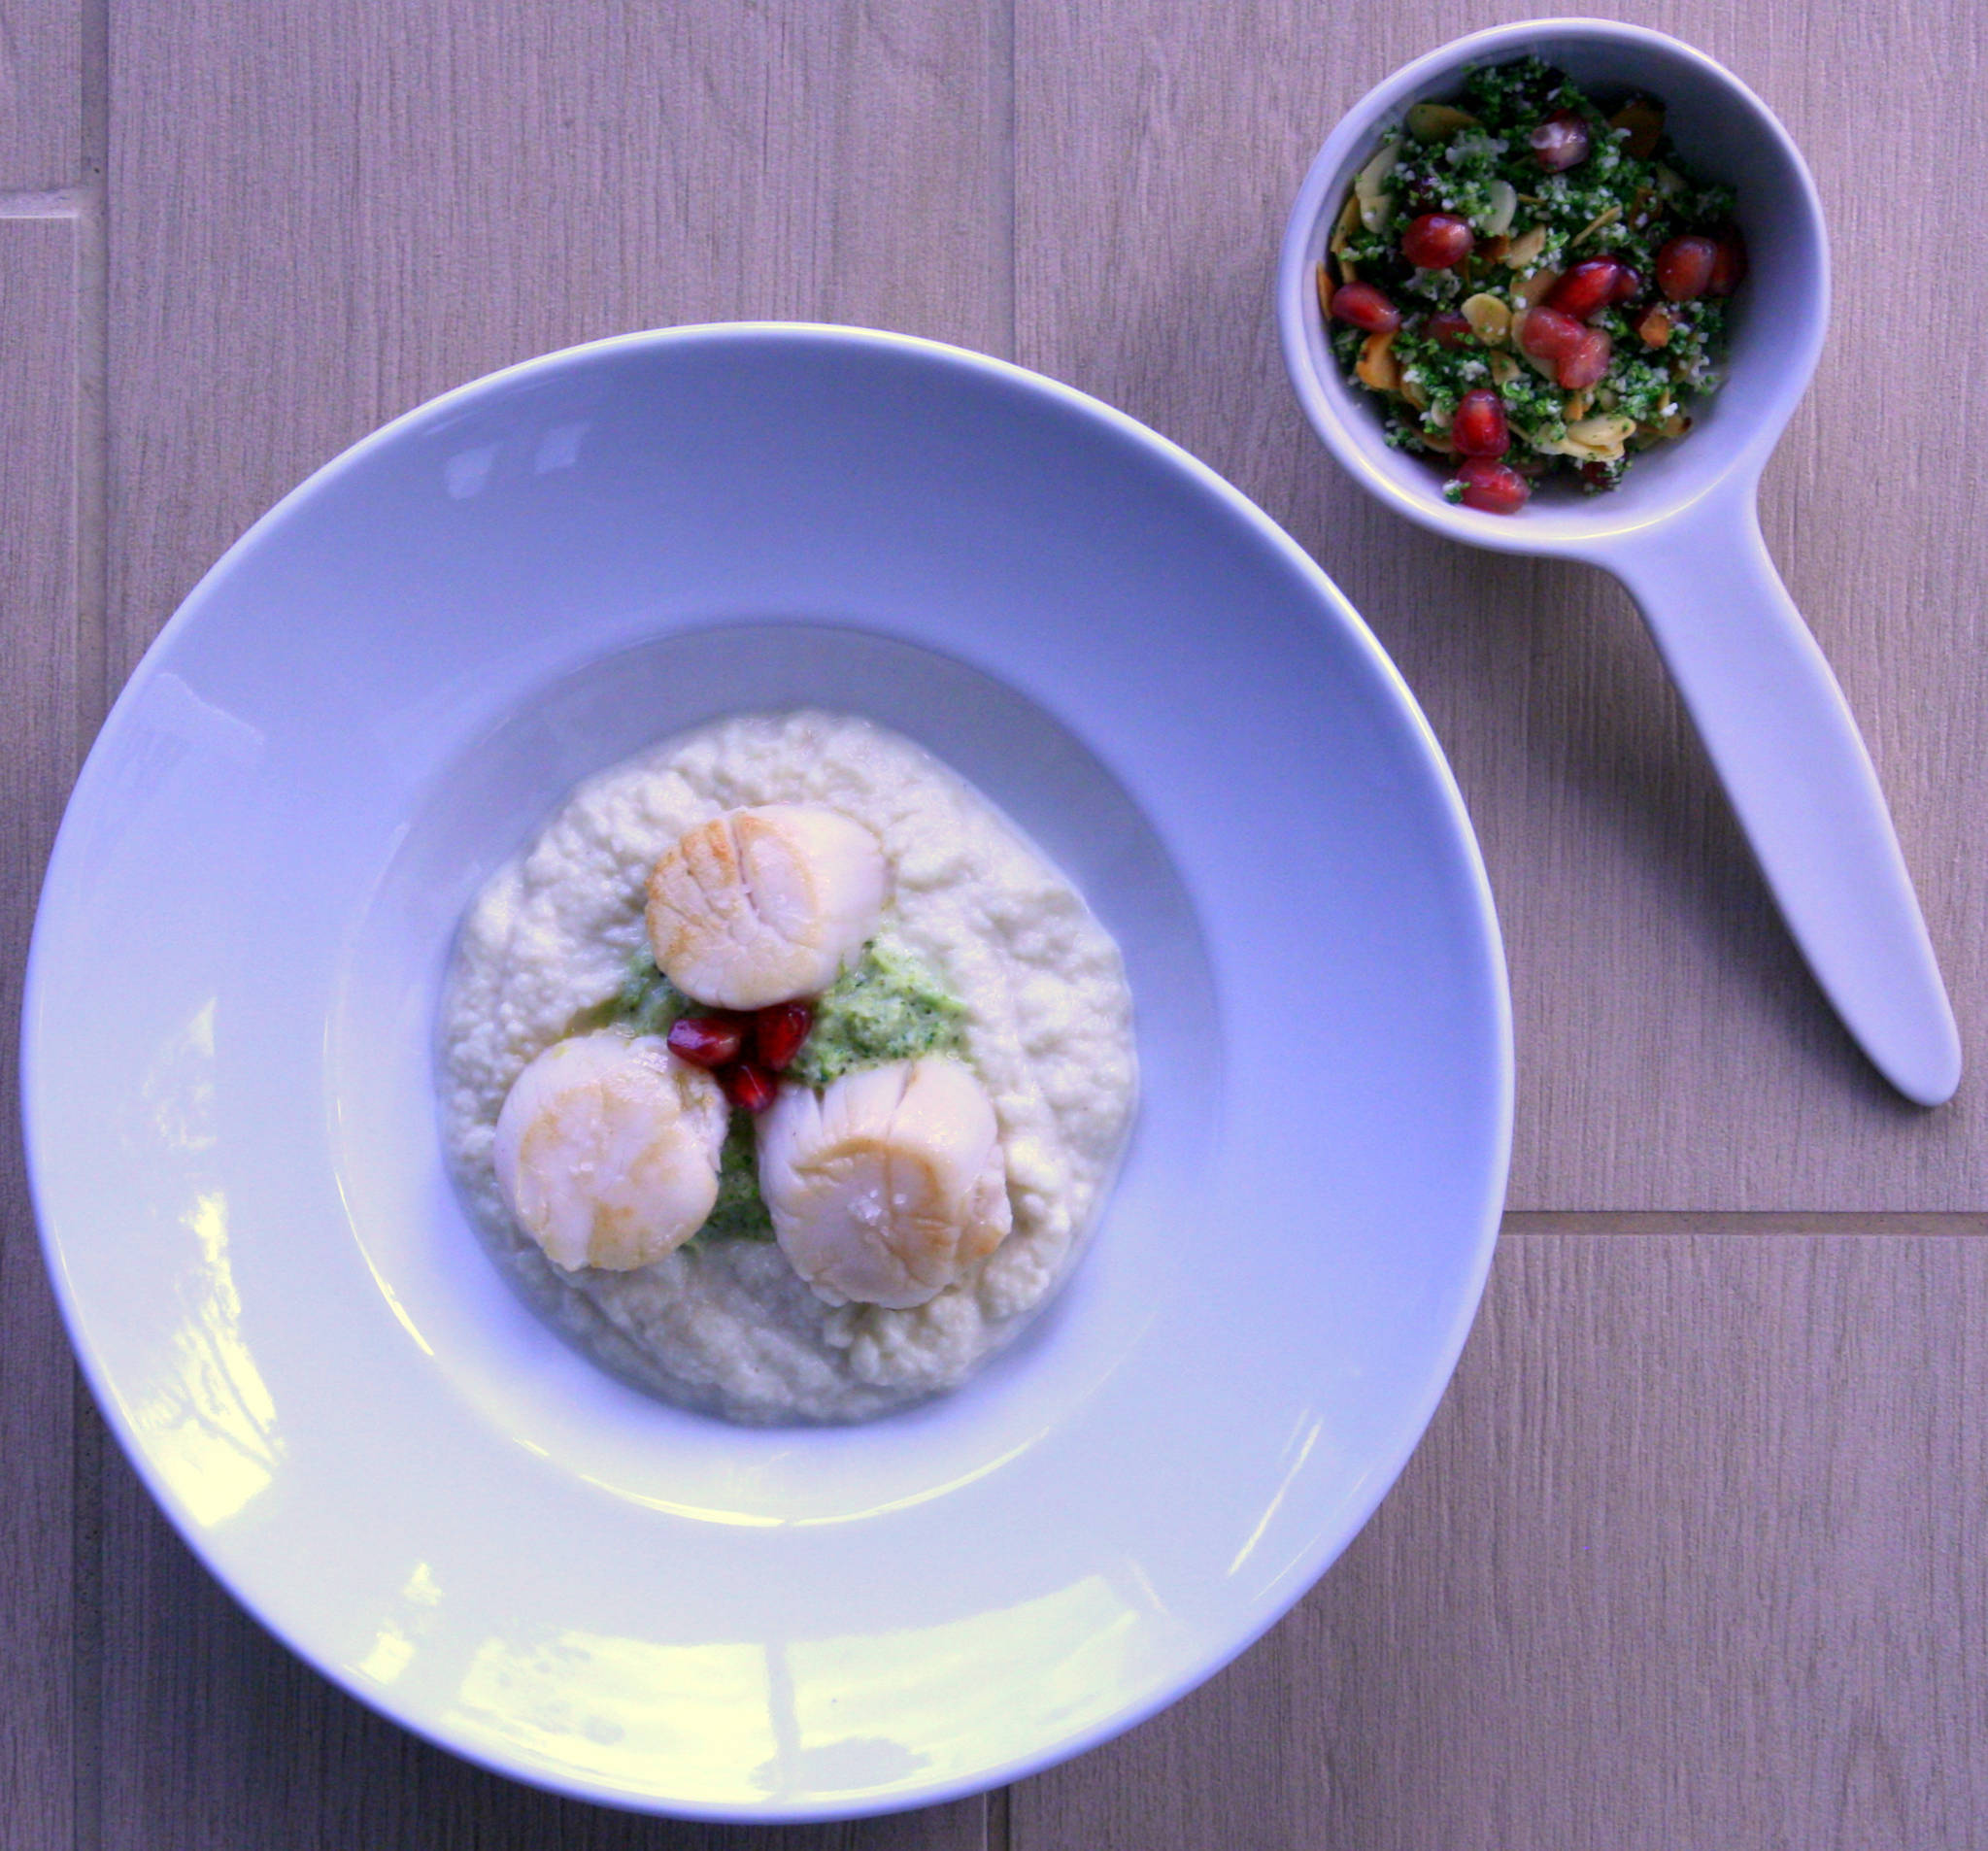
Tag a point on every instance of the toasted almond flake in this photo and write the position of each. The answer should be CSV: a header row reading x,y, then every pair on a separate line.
x,y
1503,369
1599,438
1574,408
1670,182
1525,249
1438,121
1534,289
1411,390
1371,186
1343,232
1654,329
1325,293
1437,442
1377,365
1488,318
1505,202
1594,225
1643,117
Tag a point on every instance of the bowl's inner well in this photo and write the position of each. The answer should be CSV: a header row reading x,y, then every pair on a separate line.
x,y
489,800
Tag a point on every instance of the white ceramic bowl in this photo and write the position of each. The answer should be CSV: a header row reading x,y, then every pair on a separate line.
x,y
374,698
1682,533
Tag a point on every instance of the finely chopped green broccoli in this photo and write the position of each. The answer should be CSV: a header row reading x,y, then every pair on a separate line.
x,y
888,1006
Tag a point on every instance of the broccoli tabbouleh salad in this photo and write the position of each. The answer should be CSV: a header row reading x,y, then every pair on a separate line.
x,y
1531,284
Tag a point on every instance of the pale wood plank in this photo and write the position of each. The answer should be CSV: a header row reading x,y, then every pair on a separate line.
x,y
38,367
1673,1053
322,218
41,94
319,217
1692,1556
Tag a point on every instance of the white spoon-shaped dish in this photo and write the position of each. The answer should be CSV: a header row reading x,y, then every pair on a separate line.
x,y
1683,532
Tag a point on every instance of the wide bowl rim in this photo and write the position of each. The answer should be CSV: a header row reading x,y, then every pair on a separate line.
x,y
65,868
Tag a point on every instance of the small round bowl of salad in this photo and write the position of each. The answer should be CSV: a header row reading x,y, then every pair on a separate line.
x,y
1557,274
1556,288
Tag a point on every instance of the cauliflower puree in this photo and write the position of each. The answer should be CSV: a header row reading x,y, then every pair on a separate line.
x,y
726,1323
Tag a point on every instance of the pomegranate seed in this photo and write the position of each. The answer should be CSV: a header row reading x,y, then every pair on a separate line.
x,y
1478,427
1684,267
705,1041
779,1030
1365,307
1728,268
1596,476
1490,486
1437,241
1629,283
1587,364
749,1087
1549,334
1560,142
1586,289
1447,328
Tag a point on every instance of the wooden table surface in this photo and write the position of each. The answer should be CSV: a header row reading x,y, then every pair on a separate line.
x,y
1696,1553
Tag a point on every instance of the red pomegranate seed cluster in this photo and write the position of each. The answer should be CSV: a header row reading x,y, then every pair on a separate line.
x,y
1430,261
718,1042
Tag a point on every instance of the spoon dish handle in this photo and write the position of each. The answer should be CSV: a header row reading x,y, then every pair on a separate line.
x,y
1781,737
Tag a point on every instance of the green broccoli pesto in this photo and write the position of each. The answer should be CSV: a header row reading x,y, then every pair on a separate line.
x,y
740,1212
888,1006
1474,159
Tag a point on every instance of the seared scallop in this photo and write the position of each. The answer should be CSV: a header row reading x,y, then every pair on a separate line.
x,y
889,1185
762,905
607,1150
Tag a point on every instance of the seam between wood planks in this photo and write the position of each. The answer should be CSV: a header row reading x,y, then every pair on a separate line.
x,y
1754,1224
89,200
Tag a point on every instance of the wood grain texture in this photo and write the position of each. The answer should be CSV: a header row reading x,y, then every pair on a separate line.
x,y
1674,1052
1692,1556
37,761
319,217
41,94
323,216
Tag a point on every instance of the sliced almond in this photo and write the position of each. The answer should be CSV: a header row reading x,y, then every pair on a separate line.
x,y
1488,318
1643,117
1534,290
1348,222
1654,329
1434,439
1371,186
1505,202
1574,408
1493,249
1600,438
1546,369
1525,249
1438,121
1670,182
1325,293
1377,365
1594,225
1349,271
1503,369
1675,426
1411,390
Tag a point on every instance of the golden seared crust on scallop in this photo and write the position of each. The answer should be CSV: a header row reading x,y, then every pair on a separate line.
x,y
607,1150
889,1184
761,905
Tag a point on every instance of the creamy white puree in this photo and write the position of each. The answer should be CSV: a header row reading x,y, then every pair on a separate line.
x,y
728,1325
